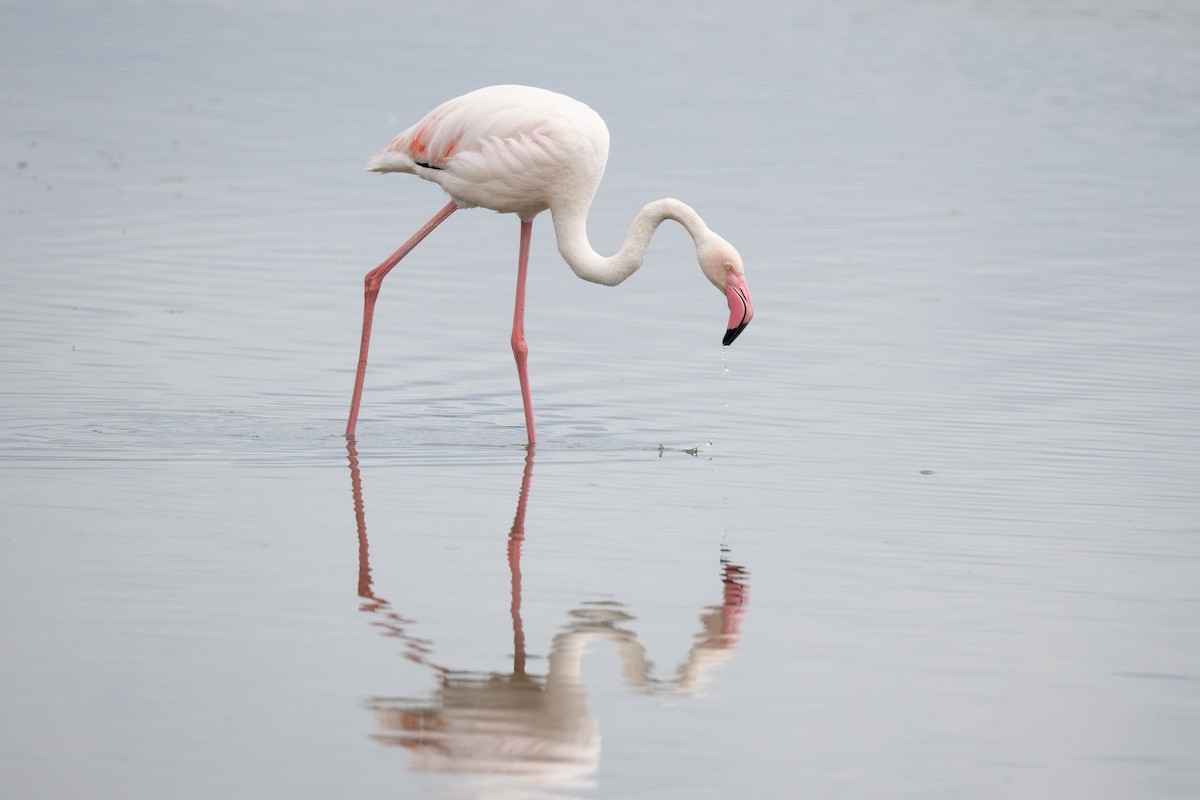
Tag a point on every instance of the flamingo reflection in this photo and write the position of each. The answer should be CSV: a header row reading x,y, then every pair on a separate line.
x,y
514,729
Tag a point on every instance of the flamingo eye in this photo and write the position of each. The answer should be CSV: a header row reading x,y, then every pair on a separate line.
x,y
728,267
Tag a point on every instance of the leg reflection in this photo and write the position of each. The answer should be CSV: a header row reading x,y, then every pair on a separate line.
x,y
392,623
516,537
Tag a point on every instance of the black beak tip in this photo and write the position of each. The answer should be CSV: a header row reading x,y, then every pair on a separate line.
x,y
732,334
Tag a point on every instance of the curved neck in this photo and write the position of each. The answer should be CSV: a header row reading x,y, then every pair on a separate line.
x,y
570,227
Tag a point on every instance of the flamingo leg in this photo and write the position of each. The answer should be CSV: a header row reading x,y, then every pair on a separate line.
x,y
519,347
372,282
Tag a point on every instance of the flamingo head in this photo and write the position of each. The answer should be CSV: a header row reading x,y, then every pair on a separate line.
x,y
722,265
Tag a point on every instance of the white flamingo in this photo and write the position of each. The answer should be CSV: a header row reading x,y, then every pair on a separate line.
x,y
521,150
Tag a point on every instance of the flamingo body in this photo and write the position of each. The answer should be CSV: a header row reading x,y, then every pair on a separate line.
x,y
522,150
513,149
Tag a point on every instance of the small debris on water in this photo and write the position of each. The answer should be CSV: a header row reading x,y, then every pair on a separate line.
x,y
691,451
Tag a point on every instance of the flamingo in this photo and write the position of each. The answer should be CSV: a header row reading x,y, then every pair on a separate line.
x,y
522,150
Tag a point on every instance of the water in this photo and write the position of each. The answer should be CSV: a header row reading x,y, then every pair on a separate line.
x,y
927,529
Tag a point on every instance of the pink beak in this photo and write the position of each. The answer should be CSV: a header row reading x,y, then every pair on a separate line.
x,y
741,306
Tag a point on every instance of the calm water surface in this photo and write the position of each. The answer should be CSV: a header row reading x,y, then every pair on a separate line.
x,y
928,529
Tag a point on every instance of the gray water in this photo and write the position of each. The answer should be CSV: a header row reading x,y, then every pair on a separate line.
x,y
929,529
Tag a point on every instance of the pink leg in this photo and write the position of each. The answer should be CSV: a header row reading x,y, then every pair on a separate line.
x,y
372,283
519,347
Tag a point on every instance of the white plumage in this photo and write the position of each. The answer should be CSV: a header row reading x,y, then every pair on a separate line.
x,y
513,149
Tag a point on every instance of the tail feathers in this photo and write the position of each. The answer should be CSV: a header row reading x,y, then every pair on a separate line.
x,y
390,161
